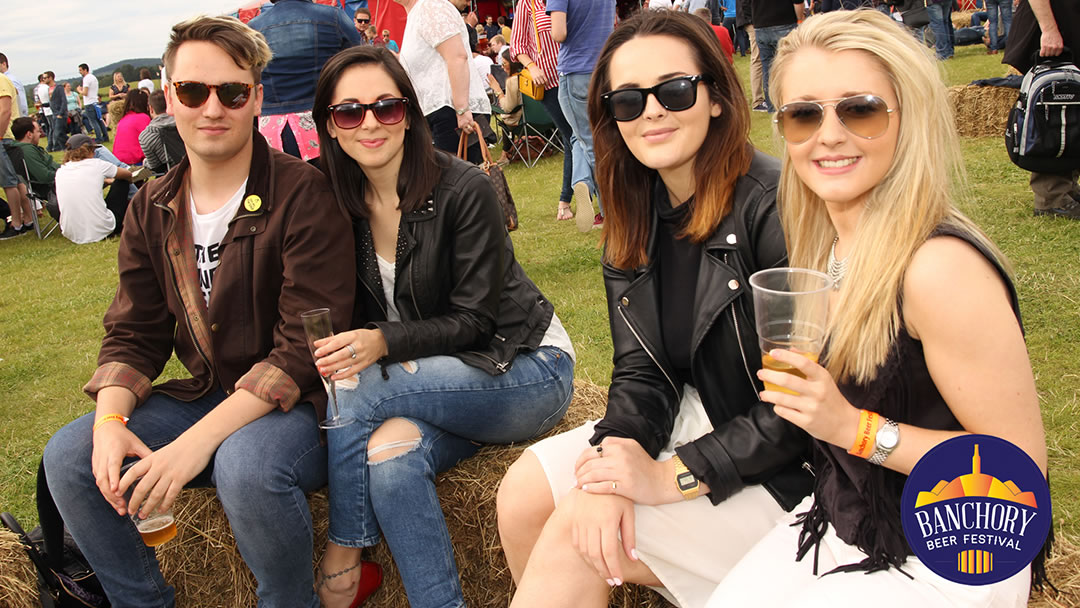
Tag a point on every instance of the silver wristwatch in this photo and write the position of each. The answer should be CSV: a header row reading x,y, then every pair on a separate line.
x,y
886,440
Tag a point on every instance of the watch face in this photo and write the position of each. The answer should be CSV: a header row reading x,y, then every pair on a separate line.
x,y
888,437
686,481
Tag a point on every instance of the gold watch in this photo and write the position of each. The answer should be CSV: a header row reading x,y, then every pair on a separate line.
x,y
685,480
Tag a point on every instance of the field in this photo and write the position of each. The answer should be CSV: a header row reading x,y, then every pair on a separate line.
x,y
53,294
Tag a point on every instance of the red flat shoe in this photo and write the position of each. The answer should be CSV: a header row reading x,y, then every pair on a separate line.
x,y
370,580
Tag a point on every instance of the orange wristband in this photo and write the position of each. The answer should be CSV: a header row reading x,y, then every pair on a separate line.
x,y
864,439
109,418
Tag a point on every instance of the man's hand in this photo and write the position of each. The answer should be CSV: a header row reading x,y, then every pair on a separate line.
x,y
165,472
1051,44
113,442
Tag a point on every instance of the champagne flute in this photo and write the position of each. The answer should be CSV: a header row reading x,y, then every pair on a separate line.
x,y
317,326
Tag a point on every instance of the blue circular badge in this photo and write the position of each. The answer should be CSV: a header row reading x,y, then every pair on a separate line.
x,y
976,509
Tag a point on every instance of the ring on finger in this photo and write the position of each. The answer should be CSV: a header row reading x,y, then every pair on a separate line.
x,y
600,450
352,351
614,486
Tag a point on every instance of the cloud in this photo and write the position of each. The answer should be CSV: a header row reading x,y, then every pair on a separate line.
x,y
58,36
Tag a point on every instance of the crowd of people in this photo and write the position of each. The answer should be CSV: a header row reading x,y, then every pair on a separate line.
x,y
698,481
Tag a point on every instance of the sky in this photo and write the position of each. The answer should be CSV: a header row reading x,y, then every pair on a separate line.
x,y
60,34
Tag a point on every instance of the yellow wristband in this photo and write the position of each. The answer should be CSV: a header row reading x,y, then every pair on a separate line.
x,y
864,439
109,418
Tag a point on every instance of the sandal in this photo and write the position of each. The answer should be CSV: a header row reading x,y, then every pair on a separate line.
x,y
564,212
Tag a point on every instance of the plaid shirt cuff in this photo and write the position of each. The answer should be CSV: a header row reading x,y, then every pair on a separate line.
x,y
115,373
271,384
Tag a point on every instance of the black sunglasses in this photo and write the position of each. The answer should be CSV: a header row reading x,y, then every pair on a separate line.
x,y
866,116
363,20
350,115
232,95
675,95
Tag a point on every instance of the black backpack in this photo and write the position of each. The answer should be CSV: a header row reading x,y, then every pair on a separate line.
x,y
65,578
1043,131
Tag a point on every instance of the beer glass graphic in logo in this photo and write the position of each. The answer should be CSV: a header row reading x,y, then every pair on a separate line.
x,y
976,509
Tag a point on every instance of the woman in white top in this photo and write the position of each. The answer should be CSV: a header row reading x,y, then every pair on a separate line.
x,y
435,53
454,345
86,216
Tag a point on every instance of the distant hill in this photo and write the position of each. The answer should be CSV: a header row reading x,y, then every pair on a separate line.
x,y
146,62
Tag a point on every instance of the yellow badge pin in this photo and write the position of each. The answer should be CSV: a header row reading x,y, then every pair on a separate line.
x,y
253,202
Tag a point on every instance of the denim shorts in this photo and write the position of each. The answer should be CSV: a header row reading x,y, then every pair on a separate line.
x,y
8,177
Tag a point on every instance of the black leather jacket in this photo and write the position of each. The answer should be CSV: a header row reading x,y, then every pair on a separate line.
x,y
749,444
457,287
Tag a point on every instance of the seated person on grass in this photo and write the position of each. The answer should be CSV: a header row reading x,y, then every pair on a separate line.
x,y
160,141
86,215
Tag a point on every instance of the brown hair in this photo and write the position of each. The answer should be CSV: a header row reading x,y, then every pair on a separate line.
x,y
83,152
625,184
246,46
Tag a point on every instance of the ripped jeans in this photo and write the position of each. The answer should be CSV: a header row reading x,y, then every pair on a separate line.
x,y
456,409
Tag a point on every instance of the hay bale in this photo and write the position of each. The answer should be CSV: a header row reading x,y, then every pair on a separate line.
x,y
18,579
1063,570
982,111
962,18
207,570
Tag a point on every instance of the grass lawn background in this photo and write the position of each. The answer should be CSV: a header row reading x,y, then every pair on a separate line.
x,y
53,295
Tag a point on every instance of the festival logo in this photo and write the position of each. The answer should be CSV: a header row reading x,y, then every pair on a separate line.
x,y
976,509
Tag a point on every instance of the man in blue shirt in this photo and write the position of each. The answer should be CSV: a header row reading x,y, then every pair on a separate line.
x,y
581,27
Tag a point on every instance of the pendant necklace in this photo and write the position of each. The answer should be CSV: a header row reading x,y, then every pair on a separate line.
x,y
836,268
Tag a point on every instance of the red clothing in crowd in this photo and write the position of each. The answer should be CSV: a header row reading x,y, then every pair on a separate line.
x,y
725,41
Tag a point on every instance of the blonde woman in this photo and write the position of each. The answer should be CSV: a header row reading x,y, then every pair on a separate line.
x,y
924,328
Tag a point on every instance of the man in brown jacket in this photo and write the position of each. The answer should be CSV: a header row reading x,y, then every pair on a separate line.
x,y
216,263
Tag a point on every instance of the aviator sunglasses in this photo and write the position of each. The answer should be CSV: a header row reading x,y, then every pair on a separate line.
x,y
232,95
675,95
387,111
866,116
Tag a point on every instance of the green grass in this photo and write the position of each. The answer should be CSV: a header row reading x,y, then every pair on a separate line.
x,y
53,294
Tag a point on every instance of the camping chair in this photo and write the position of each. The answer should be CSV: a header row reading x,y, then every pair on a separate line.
x,y
535,124
41,195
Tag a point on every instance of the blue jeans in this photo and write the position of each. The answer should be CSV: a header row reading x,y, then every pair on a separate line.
x,y
59,131
261,473
940,23
573,99
93,120
992,9
456,407
767,39
566,132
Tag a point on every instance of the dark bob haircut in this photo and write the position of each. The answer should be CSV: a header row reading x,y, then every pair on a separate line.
x,y
421,166
625,183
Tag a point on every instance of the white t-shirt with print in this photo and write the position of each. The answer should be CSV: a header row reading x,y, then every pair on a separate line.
x,y
84,218
207,231
90,82
430,23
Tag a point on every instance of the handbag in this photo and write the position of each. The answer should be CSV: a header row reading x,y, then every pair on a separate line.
x,y
916,17
526,84
498,179
65,578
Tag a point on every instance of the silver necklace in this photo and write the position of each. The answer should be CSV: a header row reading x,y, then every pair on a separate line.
x,y
836,268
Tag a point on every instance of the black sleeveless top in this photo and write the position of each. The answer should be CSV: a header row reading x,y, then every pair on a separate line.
x,y
860,500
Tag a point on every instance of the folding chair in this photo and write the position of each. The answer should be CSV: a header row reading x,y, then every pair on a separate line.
x,y
41,195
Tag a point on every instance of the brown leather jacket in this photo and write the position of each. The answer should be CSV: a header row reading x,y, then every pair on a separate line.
x,y
289,249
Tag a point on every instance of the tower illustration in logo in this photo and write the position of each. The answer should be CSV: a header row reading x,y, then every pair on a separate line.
x,y
976,483
979,527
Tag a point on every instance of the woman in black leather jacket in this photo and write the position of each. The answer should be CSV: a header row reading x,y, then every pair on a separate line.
x,y
454,346
687,469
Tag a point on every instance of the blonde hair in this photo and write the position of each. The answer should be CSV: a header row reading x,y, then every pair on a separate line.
x,y
901,212
246,46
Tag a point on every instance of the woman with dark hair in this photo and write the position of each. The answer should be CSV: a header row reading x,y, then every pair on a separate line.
x,y
686,470
145,83
453,345
135,117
